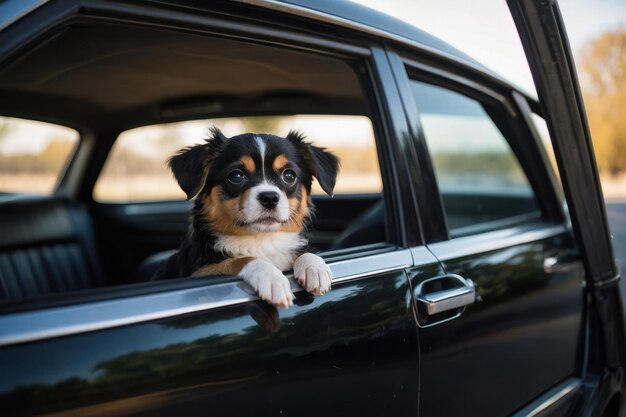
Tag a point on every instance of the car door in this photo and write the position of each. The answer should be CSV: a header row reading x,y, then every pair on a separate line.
x,y
507,239
203,346
208,345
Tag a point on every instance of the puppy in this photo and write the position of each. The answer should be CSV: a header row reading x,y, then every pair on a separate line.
x,y
251,211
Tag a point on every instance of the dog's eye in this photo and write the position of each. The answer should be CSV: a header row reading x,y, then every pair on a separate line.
x,y
236,177
289,176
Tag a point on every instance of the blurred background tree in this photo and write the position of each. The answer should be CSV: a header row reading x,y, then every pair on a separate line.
x,y
262,124
50,160
4,128
602,66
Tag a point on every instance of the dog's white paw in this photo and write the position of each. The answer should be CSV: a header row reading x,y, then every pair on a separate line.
x,y
267,280
313,274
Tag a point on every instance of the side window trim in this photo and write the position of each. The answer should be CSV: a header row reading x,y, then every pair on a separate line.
x,y
493,96
475,149
391,132
495,240
203,294
508,105
429,204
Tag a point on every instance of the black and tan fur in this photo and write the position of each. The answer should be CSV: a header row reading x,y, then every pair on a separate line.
x,y
265,209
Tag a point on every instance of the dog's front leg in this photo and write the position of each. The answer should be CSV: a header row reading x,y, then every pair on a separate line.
x,y
313,274
267,280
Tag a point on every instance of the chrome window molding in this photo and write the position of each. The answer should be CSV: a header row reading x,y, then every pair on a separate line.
x,y
490,241
29,326
13,10
550,399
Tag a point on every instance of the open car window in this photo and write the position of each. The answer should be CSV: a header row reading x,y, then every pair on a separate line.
x,y
131,213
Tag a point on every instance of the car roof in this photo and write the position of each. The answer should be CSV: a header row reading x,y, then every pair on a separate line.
x,y
339,12
358,17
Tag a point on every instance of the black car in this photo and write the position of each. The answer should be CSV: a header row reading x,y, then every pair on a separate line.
x,y
473,271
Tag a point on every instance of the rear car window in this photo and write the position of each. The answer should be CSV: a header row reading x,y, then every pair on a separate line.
x,y
33,155
136,170
482,183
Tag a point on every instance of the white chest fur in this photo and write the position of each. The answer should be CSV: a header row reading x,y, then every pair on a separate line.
x,y
279,248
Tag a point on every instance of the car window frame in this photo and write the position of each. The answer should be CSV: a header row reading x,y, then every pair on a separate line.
x,y
383,108
401,219
498,118
340,41
523,141
395,227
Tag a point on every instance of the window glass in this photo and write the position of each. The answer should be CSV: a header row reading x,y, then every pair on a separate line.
x,y
33,155
482,184
544,135
136,169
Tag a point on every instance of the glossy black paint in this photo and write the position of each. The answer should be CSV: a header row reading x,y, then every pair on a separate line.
x,y
424,183
303,361
524,332
394,139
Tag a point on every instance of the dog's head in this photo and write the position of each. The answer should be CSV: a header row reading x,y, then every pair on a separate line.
x,y
253,183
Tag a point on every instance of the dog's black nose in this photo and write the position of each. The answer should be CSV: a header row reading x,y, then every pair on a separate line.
x,y
268,199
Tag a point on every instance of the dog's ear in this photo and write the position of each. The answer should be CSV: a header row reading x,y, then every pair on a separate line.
x,y
323,165
190,165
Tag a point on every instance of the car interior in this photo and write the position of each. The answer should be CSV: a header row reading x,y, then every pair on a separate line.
x,y
103,79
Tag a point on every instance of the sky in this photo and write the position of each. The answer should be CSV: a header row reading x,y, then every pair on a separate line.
x,y
491,37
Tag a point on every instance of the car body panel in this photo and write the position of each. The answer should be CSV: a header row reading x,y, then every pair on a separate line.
x,y
233,359
524,331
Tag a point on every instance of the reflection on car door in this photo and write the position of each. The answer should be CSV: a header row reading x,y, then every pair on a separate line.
x,y
523,335
211,348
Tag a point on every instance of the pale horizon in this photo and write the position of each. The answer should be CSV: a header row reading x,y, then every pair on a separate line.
x,y
484,29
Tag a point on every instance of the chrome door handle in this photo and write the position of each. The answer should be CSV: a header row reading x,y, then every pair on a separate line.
x,y
461,292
